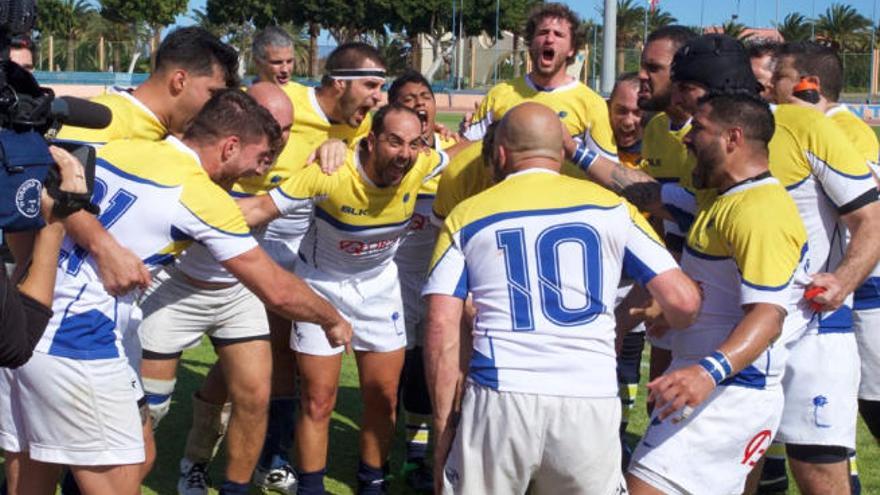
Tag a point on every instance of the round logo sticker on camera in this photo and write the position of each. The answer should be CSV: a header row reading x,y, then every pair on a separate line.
x,y
27,198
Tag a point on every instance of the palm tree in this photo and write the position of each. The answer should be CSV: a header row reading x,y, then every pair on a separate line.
x,y
67,18
659,18
735,30
843,27
795,27
630,28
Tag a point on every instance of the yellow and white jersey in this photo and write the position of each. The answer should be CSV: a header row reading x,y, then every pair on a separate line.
x,y
131,119
859,133
664,154
356,225
631,157
153,211
311,127
583,111
542,255
825,175
414,252
740,255
465,176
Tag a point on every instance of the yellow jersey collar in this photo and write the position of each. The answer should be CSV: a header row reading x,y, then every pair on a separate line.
x,y
115,90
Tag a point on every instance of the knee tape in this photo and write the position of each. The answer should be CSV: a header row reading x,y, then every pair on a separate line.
x,y
158,395
817,454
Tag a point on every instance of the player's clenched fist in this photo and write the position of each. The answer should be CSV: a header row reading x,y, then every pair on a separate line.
x,y
682,389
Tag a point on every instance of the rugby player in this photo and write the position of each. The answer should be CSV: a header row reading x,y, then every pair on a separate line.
x,y
98,433
413,257
347,255
541,255
822,468
195,297
751,268
338,109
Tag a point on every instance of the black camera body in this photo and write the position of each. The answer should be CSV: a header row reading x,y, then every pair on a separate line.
x,y
28,112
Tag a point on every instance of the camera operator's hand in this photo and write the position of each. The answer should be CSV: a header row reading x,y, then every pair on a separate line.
x,y
73,180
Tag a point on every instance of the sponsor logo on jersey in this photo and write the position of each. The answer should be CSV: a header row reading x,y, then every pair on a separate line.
x,y
358,248
756,447
354,211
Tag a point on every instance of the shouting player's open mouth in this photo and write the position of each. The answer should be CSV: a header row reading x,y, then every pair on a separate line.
x,y
548,56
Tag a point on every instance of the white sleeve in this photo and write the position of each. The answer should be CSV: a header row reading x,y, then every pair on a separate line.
x,y
448,276
223,245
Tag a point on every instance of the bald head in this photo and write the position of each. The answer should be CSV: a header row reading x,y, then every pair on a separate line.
x,y
530,135
272,98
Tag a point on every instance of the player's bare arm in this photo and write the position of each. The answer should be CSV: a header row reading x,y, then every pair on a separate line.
x,y
861,257
442,370
689,387
119,268
284,293
329,156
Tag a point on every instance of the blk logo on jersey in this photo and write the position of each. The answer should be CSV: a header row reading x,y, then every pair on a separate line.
x,y
756,447
354,211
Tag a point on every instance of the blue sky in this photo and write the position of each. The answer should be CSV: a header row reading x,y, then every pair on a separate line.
x,y
761,13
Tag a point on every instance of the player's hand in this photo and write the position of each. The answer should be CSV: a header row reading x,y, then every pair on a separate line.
x,y
339,334
569,144
680,390
446,133
833,295
330,156
652,315
468,118
121,271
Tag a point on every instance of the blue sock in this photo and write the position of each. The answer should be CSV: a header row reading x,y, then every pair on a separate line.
x,y
310,483
279,433
371,480
233,488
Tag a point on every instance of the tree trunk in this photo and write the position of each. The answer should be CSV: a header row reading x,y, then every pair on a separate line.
x,y
154,45
314,31
416,53
101,55
621,60
117,59
70,64
516,57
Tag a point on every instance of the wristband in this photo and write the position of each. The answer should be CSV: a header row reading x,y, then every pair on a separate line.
x,y
717,365
583,157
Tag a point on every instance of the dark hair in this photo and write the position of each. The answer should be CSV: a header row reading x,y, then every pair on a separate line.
x,y
409,76
382,114
350,56
813,59
231,112
625,78
746,111
560,11
270,36
197,51
762,48
678,35
22,41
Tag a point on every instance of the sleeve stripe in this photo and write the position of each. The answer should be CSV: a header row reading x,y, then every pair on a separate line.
x,y
234,234
461,288
866,198
636,268
813,158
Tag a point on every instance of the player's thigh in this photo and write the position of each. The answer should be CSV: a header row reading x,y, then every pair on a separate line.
x,y
319,382
380,370
581,452
247,368
821,386
96,480
25,476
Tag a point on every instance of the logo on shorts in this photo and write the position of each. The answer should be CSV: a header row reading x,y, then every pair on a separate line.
x,y
395,317
451,475
819,402
27,198
756,447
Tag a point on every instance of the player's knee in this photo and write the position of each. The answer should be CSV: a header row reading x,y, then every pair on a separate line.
x,y
158,394
252,399
817,454
870,412
380,398
318,403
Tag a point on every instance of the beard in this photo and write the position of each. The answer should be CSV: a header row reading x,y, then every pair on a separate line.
x,y
709,162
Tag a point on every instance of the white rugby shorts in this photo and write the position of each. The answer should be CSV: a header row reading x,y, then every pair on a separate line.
x,y
73,412
866,324
372,305
821,384
507,441
715,448
177,314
